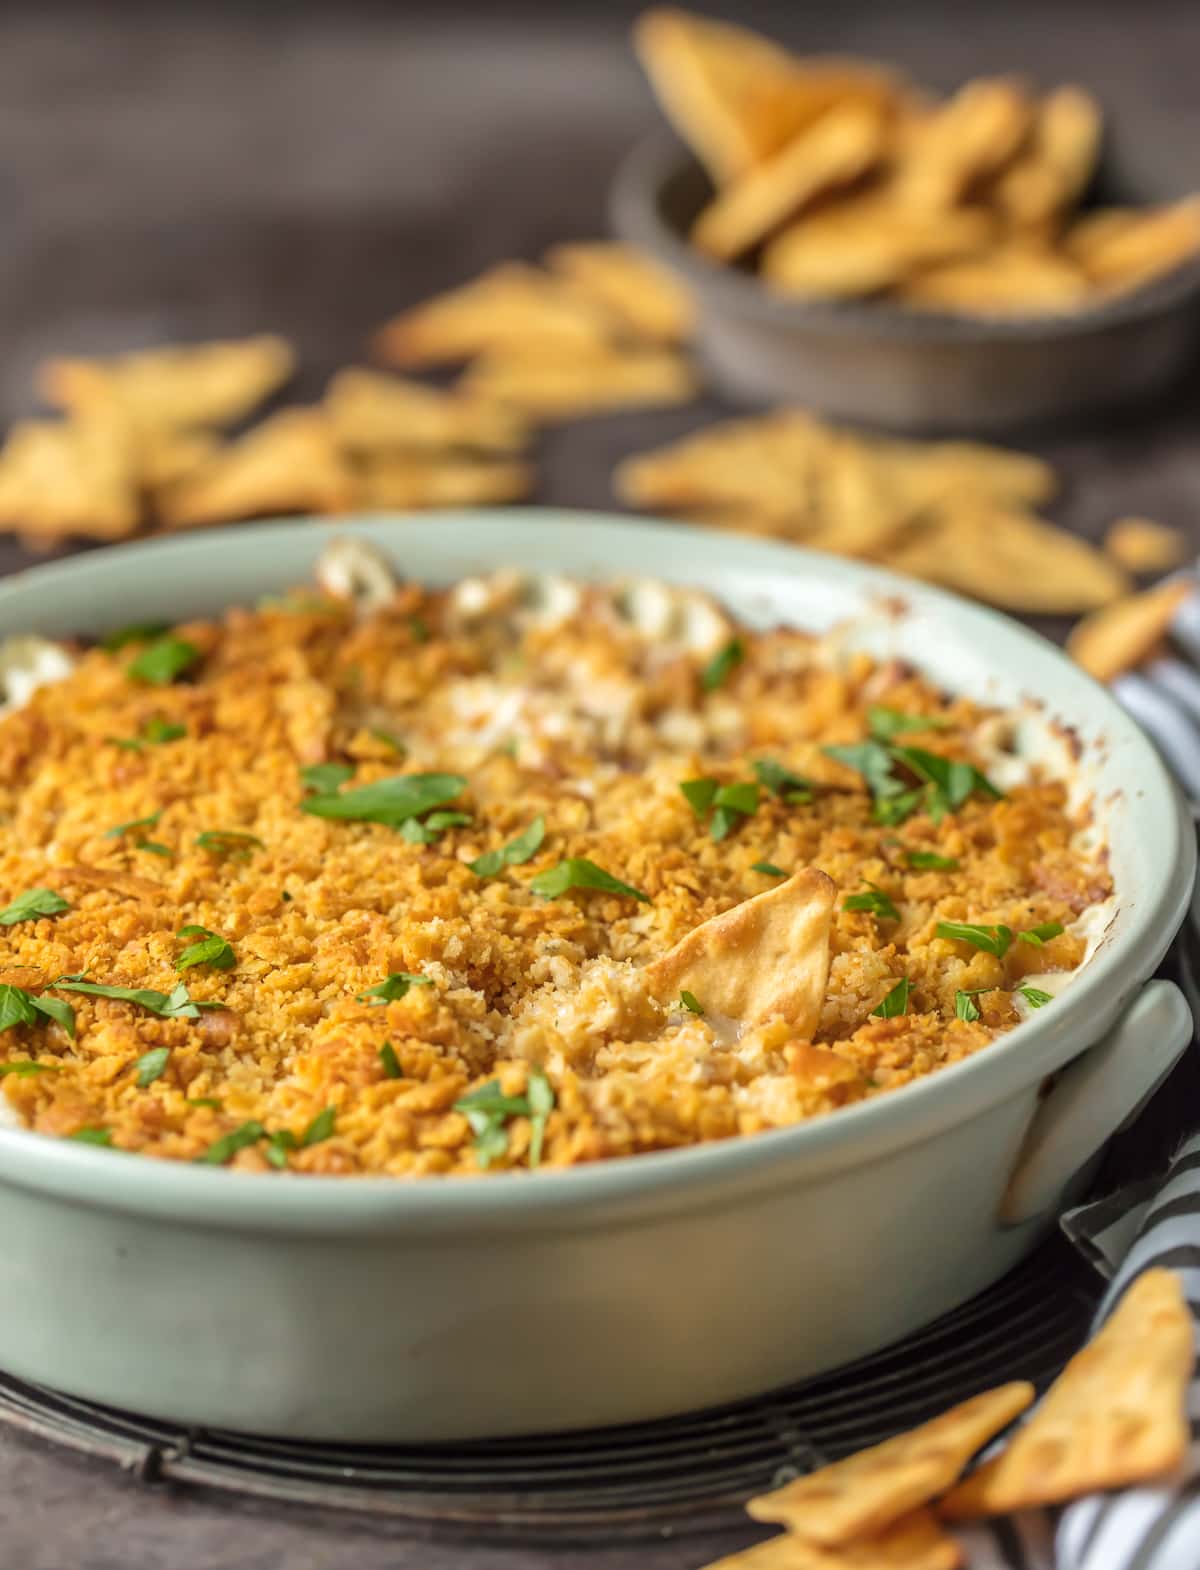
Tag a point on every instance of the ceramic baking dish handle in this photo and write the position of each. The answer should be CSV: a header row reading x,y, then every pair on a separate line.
x,y
1095,1096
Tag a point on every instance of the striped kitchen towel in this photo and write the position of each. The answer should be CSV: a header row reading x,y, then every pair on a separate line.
x,y
1145,1528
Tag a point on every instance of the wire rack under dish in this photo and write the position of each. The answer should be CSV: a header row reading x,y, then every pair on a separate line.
x,y
687,1474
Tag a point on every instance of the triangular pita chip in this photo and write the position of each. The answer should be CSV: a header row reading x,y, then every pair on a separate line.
x,y
512,306
868,1491
971,136
766,958
372,412
183,385
1125,249
644,297
1116,1415
562,385
399,480
1142,546
69,477
1020,279
289,463
1122,635
914,1543
1055,167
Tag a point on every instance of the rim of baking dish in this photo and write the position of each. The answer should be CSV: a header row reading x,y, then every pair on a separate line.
x,y
223,567
637,212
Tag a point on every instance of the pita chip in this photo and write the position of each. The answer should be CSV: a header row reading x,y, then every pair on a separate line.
x,y
563,385
399,480
369,411
174,386
69,477
1052,172
1124,634
1116,1415
866,1492
916,1542
1144,547
642,296
766,958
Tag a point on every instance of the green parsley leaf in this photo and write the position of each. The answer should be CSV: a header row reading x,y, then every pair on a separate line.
x,y
524,848
539,1093
134,823
874,762
392,988
688,999
23,1066
992,940
325,777
782,782
155,847
768,869
577,872
391,1063
884,723
930,861
722,664
224,1149
32,904
229,842
950,780
278,1145
699,794
388,801
389,739
1035,997
137,632
162,661
173,1005
419,628
158,731
321,1127
1035,935
92,1136
895,809
741,797
874,900
212,950
427,831
151,1066
965,1006
894,1002
18,1007
203,1101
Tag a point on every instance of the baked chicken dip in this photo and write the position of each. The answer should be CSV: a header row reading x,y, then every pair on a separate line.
x,y
381,879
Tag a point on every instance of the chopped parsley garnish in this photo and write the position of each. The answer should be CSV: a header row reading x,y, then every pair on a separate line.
x,y
118,829
92,1136
391,1063
325,777
224,1149
156,732
23,1066
390,801
1035,935
151,1066
1035,997
947,782
137,632
392,988
579,873
389,739
428,830
781,782
203,1101
155,847
729,803
895,1002
688,999
229,842
419,628
162,661
768,869
167,1005
930,861
321,1128
965,1006
18,1007
884,723
992,940
488,1109
514,854
212,949
283,1140
873,900
32,904
722,664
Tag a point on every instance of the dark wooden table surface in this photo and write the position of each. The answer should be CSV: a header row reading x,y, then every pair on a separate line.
x,y
196,170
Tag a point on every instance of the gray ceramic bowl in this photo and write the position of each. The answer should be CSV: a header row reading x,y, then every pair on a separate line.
x,y
909,370
366,1309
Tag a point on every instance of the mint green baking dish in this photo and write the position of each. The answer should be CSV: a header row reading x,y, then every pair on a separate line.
x,y
372,1310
